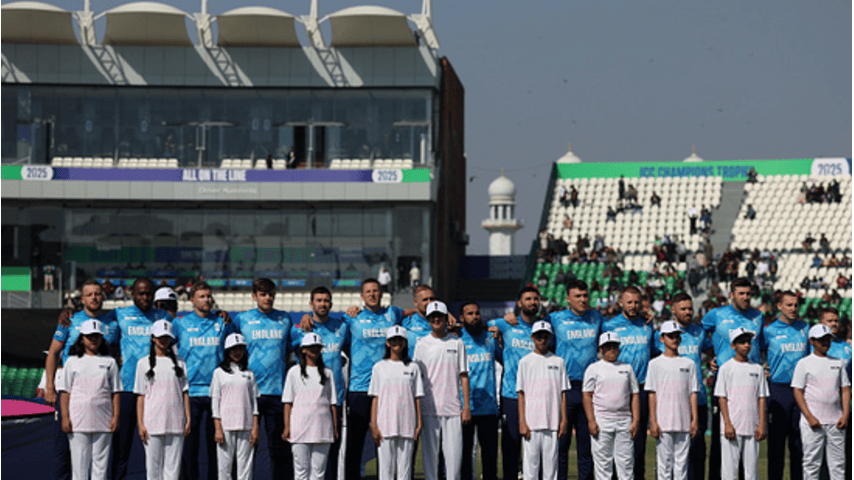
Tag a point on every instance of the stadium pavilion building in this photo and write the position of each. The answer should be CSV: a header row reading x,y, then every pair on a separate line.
x,y
248,154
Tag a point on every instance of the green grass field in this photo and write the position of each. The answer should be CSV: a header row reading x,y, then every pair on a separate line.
x,y
371,468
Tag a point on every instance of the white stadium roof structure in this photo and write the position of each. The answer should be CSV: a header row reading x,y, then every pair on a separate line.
x,y
256,27
370,26
146,24
37,22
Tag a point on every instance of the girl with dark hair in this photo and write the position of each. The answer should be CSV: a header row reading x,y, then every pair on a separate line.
x,y
234,404
89,402
310,412
396,388
162,404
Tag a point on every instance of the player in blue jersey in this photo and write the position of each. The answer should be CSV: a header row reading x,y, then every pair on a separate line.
x,y
92,298
840,350
200,336
637,347
482,351
785,342
335,335
718,324
517,344
134,324
367,346
416,324
695,343
267,332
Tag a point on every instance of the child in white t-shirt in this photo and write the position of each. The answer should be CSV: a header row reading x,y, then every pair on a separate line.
x,y
823,392
612,405
163,405
541,382
310,411
90,402
742,392
672,385
397,388
234,408
444,367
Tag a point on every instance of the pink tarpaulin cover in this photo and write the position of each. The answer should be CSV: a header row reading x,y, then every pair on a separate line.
x,y
15,408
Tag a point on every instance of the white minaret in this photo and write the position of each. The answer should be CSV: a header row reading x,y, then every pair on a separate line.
x,y
502,223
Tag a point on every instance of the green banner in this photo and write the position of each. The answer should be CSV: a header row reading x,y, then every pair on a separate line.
x,y
15,279
416,175
11,172
730,170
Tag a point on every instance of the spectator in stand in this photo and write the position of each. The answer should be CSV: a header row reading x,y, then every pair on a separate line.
x,y
108,288
563,195
845,261
692,219
816,261
621,188
832,261
270,161
802,195
706,219
807,244
751,212
634,279
385,279
842,281
120,292
567,222
655,200
825,244
611,215
632,193
573,196
752,175
544,241
599,243
751,270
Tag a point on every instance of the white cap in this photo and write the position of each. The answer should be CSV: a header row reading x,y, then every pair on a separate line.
x,y
92,326
737,332
608,337
162,328
165,293
541,326
437,307
395,331
311,339
820,330
670,326
234,340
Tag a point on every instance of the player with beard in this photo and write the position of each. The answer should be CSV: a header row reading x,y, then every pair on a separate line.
x,y
695,342
718,323
483,351
637,347
517,344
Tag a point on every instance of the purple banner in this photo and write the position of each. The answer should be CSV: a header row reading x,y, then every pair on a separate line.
x,y
210,175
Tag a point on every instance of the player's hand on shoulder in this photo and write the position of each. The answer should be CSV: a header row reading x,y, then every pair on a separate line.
x,y
511,319
226,318
64,318
306,324
353,311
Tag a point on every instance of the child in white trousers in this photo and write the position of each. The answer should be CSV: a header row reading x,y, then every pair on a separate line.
x,y
90,402
823,392
310,411
234,408
612,405
397,388
742,392
672,385
162,405
541,382
444,367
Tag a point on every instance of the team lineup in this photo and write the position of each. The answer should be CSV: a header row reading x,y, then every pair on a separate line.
x,y
421,376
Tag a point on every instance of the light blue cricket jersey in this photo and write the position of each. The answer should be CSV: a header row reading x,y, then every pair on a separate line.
x,y
135,338
695,341
367,342
784,345
417,327
577,339
517,344
482,353
267,336
720,321
335,334
637,345
68,335
201,344
840,350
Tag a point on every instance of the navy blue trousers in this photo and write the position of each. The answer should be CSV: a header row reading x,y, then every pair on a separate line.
x,y
61,450
697,451
511,441
487,436
272,412
578,419
200,415
783,418
125,436
358,424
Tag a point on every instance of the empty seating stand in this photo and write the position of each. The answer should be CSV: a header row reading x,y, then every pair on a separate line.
x,y
367,164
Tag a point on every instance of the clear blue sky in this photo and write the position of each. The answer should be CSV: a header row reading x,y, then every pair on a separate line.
x,y
628,81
